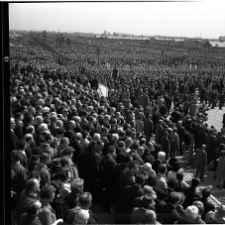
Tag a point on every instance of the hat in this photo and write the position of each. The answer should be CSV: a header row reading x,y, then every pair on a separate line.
x,y
147,200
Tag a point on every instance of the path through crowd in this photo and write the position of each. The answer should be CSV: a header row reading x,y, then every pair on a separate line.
x,y
215,117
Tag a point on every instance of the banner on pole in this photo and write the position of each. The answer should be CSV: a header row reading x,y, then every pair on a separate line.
x,y
102,90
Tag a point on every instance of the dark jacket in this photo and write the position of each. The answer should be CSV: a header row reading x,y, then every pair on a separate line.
x,y
19,178
126,178
131,192
169,214
29,220
13,142
201,158
108,165
79,157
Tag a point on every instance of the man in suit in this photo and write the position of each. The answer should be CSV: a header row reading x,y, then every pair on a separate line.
x,y
108,165
79,154
45,145
14,140
171,210
200,162
148,127
70,133
161,157
131,192
94,171
43,170
208,206
127,177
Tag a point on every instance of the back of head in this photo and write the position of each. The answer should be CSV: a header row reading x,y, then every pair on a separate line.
x,y
78,136
150,217
162,169
64,161
172,183
133,165
174,197
192,211
206,192
162,193
128,142
85,199
77,186
115,137
21,144
15,156
179,176
30,184
81,217
200,206
152,180
140,179
47,191
44,157
161,156
111,149
32,207
195,182
96,137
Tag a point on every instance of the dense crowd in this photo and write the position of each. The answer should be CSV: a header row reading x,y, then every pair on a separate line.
x,y
71,147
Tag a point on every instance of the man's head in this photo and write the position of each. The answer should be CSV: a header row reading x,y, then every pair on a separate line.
x,y
78,136
32,185
203,147
200,207
15,156
21,145
192,211
33,207
68,151
81,217
47,193
174,198
64,142
12,123
140,179
161,156
77,186
206,192
48,138
45,158
115,137
134,166
85,200
150,217
96,137
100,144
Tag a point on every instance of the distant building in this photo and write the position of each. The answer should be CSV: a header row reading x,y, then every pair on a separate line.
x,y
178,39
210,45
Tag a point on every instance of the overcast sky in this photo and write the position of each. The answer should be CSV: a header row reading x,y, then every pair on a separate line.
x,y
190,19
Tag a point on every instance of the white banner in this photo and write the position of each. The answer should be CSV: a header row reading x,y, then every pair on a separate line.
x,y
102,90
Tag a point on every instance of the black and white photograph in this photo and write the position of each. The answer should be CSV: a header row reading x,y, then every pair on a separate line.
x,y
114,112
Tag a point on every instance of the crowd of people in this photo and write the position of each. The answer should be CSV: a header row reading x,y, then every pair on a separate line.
x,y
71,147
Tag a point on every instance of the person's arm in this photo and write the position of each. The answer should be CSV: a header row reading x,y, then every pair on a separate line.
x,y
46,218
57,222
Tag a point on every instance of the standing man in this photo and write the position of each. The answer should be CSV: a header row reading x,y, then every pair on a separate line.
x,y
200,162
108,165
